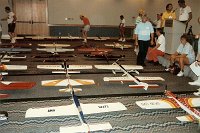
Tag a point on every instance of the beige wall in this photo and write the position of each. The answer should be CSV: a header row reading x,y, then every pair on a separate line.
x,y
3,14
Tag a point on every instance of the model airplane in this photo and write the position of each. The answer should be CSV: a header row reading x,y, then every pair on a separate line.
x,y
15,50
12,67
173,101
127,77
71,68
54,45
55,50
116,68
118,45
89,50
77,109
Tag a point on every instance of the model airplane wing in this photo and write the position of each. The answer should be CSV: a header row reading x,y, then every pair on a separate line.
x,y
13,57
65,82
54,45
60,67
115,67
167,103
16,85
51,50
186,118
4,96
85,127
150,78
71,110
118,79
13,67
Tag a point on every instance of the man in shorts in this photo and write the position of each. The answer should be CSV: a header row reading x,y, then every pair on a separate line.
x,y
11,19
86,27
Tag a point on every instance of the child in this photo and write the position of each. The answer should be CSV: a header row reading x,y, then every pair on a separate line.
x,y
122,29
184,55
158,50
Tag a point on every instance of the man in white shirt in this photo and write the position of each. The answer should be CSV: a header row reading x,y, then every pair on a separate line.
x,y
185,12
11,19
122,29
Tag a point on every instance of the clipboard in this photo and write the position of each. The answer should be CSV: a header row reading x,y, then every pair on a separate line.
x,y
195,69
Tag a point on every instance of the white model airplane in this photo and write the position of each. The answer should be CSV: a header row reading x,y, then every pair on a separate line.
x,y
54,45
118,45
55,50
71,68
127,77
77,109
116,68
186,104
12,67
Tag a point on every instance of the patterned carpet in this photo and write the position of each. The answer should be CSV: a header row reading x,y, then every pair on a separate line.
x,y
133,120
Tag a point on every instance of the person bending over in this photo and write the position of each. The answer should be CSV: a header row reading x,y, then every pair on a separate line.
x,y
11,19
86,27
184,55
159,49
122,29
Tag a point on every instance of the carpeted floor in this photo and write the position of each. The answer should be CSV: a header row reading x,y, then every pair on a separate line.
x,y
133,120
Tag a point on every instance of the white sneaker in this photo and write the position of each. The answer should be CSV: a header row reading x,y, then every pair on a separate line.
x,y
120,39
180,74
194,83
84,41
196,93
167,69
13,40
123,40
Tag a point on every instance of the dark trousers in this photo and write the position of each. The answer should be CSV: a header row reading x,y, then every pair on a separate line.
x,y
143,48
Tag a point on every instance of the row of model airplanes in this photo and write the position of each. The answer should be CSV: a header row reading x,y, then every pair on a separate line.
x,y
77,108
55,49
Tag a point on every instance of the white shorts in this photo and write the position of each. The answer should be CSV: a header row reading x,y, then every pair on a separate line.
x,y
86,28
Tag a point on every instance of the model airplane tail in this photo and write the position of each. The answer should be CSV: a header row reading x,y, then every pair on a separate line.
x,y
144,86
86,128
4,96
186,118
69,90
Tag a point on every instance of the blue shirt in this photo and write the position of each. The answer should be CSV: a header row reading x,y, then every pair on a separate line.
x,y
143,30
188,50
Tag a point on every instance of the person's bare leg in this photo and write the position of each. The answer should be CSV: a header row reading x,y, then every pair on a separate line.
x,y
172,59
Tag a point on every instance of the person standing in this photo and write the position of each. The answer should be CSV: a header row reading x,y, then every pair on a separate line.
x,y
185,13
143,32
0,32
11,19
86,27
122,29
168,14
159,49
